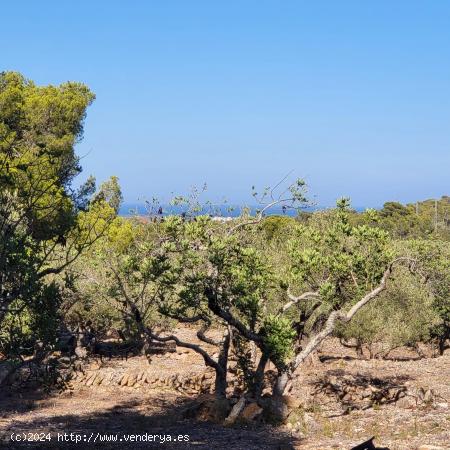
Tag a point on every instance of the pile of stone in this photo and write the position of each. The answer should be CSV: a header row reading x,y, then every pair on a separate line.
x,y
358,392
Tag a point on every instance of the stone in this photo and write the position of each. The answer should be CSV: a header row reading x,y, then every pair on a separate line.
x,y
76,376
406,402
291,402
131,380
251,411
366,393
148,379
91,380
428,396
235,412
347,398
312,425
124,380
81,352
429,447
140,376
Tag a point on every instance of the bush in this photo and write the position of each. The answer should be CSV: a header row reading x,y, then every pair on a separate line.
x,y
403,316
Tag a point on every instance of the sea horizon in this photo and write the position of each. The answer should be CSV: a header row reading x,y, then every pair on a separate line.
x,y
130,209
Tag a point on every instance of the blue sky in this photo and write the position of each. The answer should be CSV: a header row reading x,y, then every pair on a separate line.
x,y
353,96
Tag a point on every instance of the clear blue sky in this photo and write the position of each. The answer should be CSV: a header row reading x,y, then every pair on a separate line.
x,y
354,96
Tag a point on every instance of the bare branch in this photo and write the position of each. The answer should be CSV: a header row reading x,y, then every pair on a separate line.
x,y
289,195
185,319
279,184
259,216
294,300
208,360
335,316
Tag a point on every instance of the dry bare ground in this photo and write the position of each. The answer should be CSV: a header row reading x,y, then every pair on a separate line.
x,y
343,401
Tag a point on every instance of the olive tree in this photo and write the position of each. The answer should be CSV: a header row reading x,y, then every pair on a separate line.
x,y
334,267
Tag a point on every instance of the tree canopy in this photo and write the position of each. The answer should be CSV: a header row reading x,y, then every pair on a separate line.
x,y
45,223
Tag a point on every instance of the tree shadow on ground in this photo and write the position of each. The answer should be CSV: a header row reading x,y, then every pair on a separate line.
x,y
135,417
401,358
14,402
326,358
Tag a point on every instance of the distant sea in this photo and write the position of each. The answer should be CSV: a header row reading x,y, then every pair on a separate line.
x,y
141,209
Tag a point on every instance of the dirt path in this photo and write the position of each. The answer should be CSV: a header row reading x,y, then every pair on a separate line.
x,y
124,413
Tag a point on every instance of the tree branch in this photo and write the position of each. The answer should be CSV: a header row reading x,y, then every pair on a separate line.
x,y
202,336
259,216
208,360
294,300
335,316
228,317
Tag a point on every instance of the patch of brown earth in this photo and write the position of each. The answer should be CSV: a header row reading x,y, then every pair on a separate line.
x,y
339,402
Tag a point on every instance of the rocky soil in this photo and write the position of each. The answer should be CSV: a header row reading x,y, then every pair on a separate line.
x,y
338,403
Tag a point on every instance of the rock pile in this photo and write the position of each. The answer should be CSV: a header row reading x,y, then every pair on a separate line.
x,y
359,391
